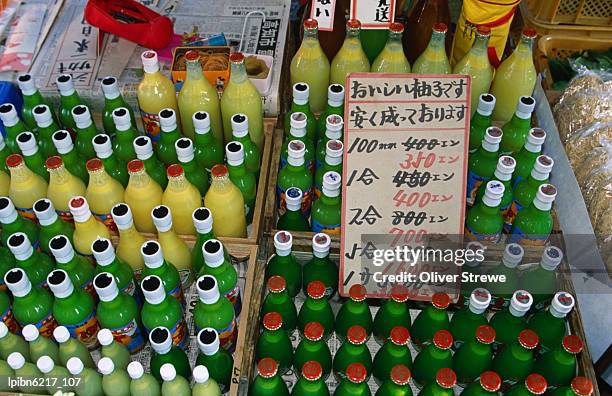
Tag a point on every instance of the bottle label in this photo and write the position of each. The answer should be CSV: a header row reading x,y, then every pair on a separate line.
x,y
475,236
234,297
65,216
518,236
130,290
177,293
150,121
282,203
510,214
130,336
473,184
107,220
179,333
326,228
10,322
86,330
227,336
45,326
27,213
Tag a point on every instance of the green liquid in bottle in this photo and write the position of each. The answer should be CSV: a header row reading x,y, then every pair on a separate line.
x,y
274,342
104,151
186,156
292,219
481,120
284,264
113,100
321,268
526,158
355,382
394,352
27,371
10,343
484,221
475,355
168,136
70,347
216,360
511,321
208,150
313,348
51,226
86,130
332,162
534,384
240,133
353,350
204,385
433,318
326,211
311,382
316,308
558,365
57,376
113,350
69,99
502,291
46,128
164,352
162,310
482,163
433,358
40,346
13,126
354,311
31,98
115,381
36,265
299,132
244,180
72,161
174,385
394,312
398,383
278,300
534,223
443,384
79,269
550,325
515,362
488,385
216,311
301,92
202,220
13,223
32,155
516,130
295,174
268,382
464,322
89,381
153,166
541,281
125,133
333,127
143,384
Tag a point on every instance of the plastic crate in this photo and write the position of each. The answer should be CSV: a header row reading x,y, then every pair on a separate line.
x,y
575,12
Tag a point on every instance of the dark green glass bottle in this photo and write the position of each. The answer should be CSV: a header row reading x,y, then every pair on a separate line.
x,y
240,133
107,261
69,98
208,150
501,292
155,169
534,384
186,158
488,385
125,133
113,100
432,358
512,320
474,356
581,386
464,322
164,352
320,267
274,342
31,98
352,350
104,151
278,300
394,312
354,311
169,134
394,352
481,120
13,126
292,219
72,161
202,220
433,318
398,384
326,211
268,382
484,221
12,223
217,360
335,106
295,174
525,159
32,155
241,177
50,224
46,127
541,281
515,362
355,383
311,382
298,132
313,348
550,325
558,365
333,129
85,132
442,386
79,269
316,308
503,174
481,164
301,92
284,264
36,265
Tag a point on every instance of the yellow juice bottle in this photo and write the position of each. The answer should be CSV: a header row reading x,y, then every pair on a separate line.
x,y
87,228
515,77
350,58
476,65
155,92
103,192
241,96
175,249
26,187
182,198
226,204
197,94
434,59
5,182
310,65
392,58
63,185
130,239
142,195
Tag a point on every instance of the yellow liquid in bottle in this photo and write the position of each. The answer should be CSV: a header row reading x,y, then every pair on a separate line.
x,y
226,204
62,184
241,96
86,227
182,198
310,65
142,195
5,181
392,58
434,60
26,187
128,248
350,58
176,252
197,94
103,192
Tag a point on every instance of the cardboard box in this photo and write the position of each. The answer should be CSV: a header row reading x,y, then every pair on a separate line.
x,y
218,78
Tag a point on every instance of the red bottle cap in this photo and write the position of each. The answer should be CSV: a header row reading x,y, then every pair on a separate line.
x,y
313,331
276,284
272,321
94,164
14,160
135,165
490,381
440,27
528,339
312,370
400,335
485,334
77,202
353,24
236,57
572,343
396,27
192,55
356,373
443,339
400,374
484,30
582,386
399,293
440,300
530,32
316,290
536,384
267,367
311,24
219,170
356,335
446,378
174,170
357,293
54,162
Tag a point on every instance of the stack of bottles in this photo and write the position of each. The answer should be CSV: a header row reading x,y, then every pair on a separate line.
x,y
472,348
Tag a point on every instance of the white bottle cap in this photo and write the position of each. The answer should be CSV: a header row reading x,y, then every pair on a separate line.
x,y
542,167
479,300
62,141
167,120
44,211
334,149
513,255
535,140
545,196
74,366
494,193
30,332
562,304
240,125
45,364
62,250
135,370
59,283
102,145
201,122
202,220
61,334
332,182
122,216
321,243
106,286
234,151
8,213
110,87
121,119
505,168
42,116
208,290
106,366
208,341
551,258
79,208
295,152
167,372
160,340
103,251
153,289
184,150
3,330
15,360
26,84
492,138
474,246
520,303
525,107
335,95
27,143
105,337
213,253
21,247
149,61
486,104
152,254
143,147
65,84
283,241
17,281
334,125
200,374
301,91
293,199
162,218
81,116
298,121
8,114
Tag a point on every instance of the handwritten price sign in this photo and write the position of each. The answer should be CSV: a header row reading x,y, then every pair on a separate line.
x,y
405,165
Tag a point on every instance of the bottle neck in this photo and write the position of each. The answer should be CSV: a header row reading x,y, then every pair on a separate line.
x,y
238,73
221,184
194,70
59,175
139,179
21,173
437,41
394,39
525,47
352,40
481,44
98,177
178,183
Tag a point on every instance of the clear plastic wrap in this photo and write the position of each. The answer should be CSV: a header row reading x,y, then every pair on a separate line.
x,y
580,144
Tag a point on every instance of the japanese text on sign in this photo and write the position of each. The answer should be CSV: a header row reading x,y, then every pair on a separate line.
x,y
323,12
373,14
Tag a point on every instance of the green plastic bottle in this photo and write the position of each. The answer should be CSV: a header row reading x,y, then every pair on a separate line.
x,y
394,312
335,106
502,174
125,133
115,381
156,265
352,350
431,319
274,342
558,365
284,263
301,92
550,325
326,211
71,347
155,169
51,225
432,358
208,150
515,362
31,98
484,221
217,265
89,381
159,309
310,383
320,267
113,101
278,300
525,159
541,281
173,385
334,127
488,385
168,136
142,384
464,322
516,130
292,219
33,157
534,384
13,223
118,312
36,265
334,150
216,360
13,126
534,223
5,151
164,352
313,348
39,346
56,375
394,352
69,98
502,291
241,177
46,127
108,262
295,174
512,320
113,350
316,308
7,262
11,342
74,309
481,163
442,386
481,120
186,157
581,386
85,131
240,133
72,161
214,310
475,355
204,385
268,382
354,311
79,269
25,370
104,151
355,383
202,221
298,132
